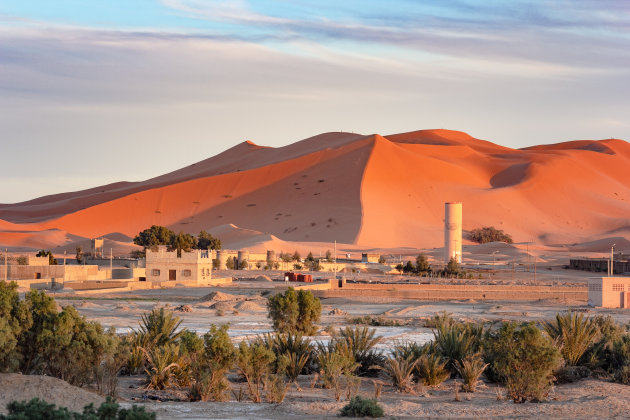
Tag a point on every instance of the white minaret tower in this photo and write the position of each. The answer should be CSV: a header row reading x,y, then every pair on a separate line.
x,y
452,232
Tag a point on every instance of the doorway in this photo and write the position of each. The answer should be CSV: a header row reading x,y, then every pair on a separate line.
x,y
172,274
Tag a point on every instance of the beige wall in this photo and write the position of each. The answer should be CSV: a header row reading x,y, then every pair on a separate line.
x,y
58,272
448,292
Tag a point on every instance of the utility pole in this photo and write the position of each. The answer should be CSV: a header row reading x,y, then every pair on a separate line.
x,y
612,261
111,263
335,258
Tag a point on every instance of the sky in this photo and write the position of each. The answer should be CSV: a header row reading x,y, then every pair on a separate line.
x,y
100,91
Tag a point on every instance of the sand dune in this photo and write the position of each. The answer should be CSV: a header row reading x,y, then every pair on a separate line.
x,y
370,191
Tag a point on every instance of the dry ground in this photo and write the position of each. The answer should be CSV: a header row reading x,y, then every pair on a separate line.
x,y
243,306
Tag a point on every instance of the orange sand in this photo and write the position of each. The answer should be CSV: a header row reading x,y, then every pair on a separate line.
x,y
372,191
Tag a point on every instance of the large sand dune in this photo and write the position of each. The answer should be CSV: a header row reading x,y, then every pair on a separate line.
x,y
372,191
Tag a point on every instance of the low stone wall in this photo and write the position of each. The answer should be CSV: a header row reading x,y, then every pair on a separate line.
x,y
451,292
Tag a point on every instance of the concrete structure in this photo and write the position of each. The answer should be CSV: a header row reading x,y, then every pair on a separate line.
x,y
369,258
96,247
340,288
609,292
620,266
223,256
189,268
452,232
243,256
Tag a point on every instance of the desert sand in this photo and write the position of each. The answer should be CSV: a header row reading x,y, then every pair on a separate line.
x,y
366,191
243,307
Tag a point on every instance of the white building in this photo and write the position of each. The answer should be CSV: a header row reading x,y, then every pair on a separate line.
x,y
609,292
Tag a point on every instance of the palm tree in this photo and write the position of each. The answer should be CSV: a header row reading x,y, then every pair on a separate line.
x,y
401,371
160,327
573,333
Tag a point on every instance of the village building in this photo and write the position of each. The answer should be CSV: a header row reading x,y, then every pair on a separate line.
x,y
609,292
193,267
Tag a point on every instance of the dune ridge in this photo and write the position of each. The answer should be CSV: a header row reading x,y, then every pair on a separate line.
x,y
368,190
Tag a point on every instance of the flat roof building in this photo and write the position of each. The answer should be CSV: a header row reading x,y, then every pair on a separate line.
x,y
609,292
194,266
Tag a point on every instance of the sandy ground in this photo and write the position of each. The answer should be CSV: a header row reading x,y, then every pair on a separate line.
x,y
16,387
585,399
243,307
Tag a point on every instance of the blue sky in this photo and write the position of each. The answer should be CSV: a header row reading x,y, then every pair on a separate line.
x,y
93,92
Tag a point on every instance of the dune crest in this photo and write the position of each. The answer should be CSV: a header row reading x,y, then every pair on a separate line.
x,y
367,190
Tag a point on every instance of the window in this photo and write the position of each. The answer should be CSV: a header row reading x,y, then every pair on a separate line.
x,y
595,287
186,273
155,272
617,287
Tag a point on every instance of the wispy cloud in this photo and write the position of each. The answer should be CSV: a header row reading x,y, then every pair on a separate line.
x,y
582,34
76,99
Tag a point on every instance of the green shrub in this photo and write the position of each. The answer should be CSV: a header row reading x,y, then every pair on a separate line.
x,y
15,318
161,326
489,234
622,375
293,352
440,320
601,355
401,372
359,343
470,370
37,409
411,349
336,368
254,362
432,369
162,363
361,407
112,363
523,359
375,321
293,312
574,334
209,371
455,341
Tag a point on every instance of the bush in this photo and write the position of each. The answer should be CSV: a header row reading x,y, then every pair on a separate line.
x,y
455,341
162,362
361,407
489,234
336,368
254,362
160,326
470,369
401,372
622,375
217,358
432,370
523,359
453,268
569,374
37,409
375,321
573,333
358,343
601,355
15,318
293,352
293,312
